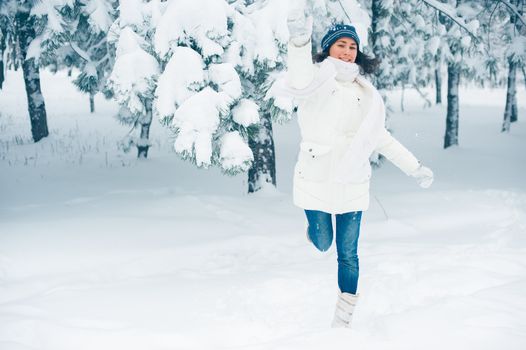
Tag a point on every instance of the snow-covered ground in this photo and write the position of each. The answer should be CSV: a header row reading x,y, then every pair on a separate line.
x,y
101,251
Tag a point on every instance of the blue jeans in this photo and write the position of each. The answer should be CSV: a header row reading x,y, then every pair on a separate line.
x,y
347,232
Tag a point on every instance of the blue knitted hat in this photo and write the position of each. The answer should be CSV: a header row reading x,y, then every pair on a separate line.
x,y
336,32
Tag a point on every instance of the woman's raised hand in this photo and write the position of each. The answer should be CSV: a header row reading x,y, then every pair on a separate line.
x,y
300,25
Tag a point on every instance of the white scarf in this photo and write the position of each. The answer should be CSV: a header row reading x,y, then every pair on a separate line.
x,y
345,71
366,138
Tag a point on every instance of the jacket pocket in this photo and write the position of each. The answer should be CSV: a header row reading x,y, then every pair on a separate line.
x,y
314,161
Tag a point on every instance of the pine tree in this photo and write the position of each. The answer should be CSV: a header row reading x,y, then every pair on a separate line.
x,y
6,38
263,58
462,44
135,72
56,34
503,30
199,96
89,22
458,49
19,28
405,41
515,55
453,80
380,14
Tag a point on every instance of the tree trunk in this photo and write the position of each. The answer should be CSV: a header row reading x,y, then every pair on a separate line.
x,y
2,50
144,140
453,80
92,102
2,77
514,110
35,100
14,59
438,84
263,169
519,27
511,97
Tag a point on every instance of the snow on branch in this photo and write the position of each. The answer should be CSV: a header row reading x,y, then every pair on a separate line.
x,y
83,54
513,9
450,12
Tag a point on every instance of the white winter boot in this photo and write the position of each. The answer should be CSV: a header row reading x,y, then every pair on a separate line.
x,y
344,310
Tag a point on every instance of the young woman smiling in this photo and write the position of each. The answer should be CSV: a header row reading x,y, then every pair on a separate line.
x,y
341,117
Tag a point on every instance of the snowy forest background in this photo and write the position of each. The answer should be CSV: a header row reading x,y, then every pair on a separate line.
x,y
203,68
131,132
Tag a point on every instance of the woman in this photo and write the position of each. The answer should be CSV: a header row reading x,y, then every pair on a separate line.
x,y
341,118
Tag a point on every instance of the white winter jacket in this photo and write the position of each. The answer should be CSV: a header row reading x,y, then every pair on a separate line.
x,y
341,125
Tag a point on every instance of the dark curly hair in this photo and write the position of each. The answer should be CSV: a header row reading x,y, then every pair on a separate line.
x,y
368,64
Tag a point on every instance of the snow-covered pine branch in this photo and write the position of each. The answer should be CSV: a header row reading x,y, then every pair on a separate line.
x,y
133,79
199,92
514,10
450,12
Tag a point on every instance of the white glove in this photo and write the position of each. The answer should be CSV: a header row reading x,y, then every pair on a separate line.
x,y
300,27
423,175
